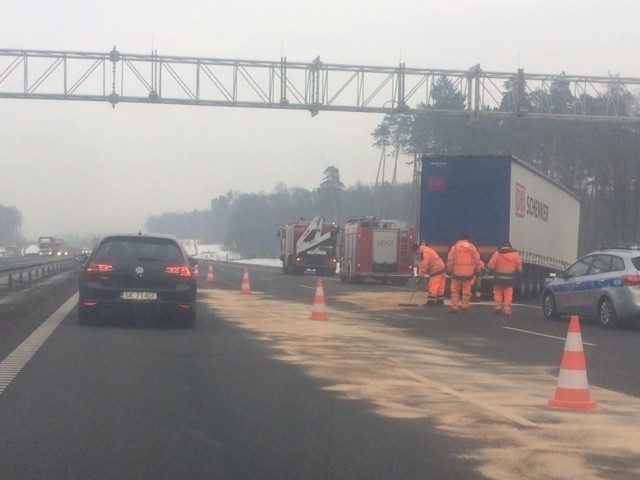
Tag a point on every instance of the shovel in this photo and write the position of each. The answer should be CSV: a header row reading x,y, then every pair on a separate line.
x,y
415,287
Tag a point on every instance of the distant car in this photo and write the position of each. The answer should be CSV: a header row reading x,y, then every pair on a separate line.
x,y
137,275
603,285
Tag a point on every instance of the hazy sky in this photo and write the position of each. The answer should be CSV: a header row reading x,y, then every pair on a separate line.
x,y
84,168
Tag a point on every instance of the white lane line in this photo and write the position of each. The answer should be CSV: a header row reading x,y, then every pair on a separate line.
x,y
308,286
545,335
11,366
499,412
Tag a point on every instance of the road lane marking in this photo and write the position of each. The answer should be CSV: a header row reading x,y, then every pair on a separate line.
x,y
11,366
497,411
545,335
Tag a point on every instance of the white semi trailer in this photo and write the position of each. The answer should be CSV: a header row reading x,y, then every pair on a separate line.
x,y
498,198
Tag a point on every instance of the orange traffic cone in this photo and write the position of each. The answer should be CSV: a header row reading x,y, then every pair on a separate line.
x,y
572,392
196,272
245,288
319,311
210,277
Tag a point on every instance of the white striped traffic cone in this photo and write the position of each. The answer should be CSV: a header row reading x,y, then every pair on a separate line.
x,y
210,277
572,391
245,288
319,310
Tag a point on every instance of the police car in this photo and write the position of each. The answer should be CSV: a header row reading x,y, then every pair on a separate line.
x,y
603,285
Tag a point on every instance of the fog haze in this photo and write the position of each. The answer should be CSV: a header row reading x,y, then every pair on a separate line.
x,y
85,168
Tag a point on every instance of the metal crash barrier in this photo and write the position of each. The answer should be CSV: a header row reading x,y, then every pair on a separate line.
x,y
10,274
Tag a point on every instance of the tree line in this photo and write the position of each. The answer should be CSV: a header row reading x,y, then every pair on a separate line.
x,y
10,225
596,159
252,220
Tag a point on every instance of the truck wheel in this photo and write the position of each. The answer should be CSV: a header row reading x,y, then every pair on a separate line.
x,y
534,285
291,267
350,277
527,287
522,288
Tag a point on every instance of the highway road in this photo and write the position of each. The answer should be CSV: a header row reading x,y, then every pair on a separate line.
x,y
259,390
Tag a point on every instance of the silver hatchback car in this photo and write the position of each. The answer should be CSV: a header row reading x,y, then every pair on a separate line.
x,y
603,285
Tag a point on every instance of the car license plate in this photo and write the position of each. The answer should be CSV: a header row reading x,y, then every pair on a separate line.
x,y
139,296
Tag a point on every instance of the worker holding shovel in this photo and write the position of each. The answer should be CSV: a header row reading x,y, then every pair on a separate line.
x,y
431,265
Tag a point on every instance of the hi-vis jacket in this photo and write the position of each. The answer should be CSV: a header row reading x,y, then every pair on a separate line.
x,y
505,264
463,260
431,263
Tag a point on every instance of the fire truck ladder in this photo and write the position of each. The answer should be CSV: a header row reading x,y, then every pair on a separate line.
x,y
312,236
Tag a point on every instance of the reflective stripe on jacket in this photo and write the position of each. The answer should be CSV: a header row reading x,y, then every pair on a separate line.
x,y
505,264
431,262
463,260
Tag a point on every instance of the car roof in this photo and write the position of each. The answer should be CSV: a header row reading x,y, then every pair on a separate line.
x,y
138,235
618,248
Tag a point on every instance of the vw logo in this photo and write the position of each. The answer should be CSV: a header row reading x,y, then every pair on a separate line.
x,y
139,271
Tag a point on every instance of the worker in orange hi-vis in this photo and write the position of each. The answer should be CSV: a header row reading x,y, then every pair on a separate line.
x,y
506,265
430,264
463,262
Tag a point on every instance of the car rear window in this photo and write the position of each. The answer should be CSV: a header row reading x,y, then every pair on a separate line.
x,y
136,248
636,262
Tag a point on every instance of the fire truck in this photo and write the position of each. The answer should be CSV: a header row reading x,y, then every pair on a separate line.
x,y
309,245
377,249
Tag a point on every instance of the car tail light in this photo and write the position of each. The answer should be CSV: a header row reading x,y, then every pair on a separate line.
x,y
631,279
99,267
180,270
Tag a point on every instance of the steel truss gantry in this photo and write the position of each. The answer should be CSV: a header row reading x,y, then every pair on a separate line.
x,y
116,77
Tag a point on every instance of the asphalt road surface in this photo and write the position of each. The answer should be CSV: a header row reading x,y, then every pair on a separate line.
x,y
257,390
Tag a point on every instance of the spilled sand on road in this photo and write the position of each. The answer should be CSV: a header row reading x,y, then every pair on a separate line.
x,y
502,405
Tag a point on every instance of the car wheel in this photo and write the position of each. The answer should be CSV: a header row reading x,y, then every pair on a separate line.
x,y
549,308
185,319
190,322
85,318
607,316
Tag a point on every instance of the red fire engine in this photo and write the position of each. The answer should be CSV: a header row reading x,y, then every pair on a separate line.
x,y
377,249
309,245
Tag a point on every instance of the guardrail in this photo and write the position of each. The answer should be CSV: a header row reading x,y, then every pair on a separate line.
x,y
32,271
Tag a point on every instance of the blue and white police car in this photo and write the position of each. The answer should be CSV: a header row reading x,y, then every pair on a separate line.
x,y
603,285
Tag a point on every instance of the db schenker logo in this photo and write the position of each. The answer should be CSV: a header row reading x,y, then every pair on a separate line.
x,y
520,200
436,183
